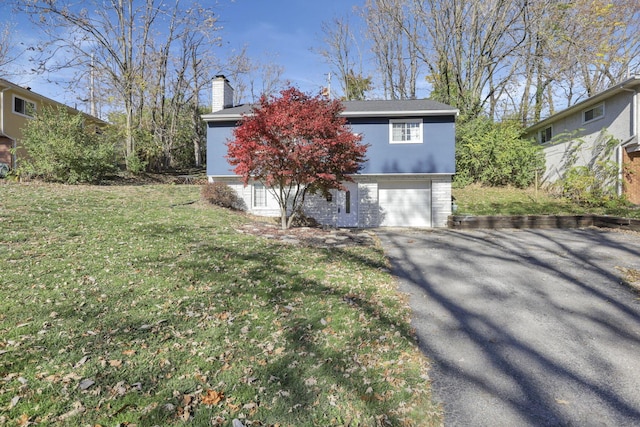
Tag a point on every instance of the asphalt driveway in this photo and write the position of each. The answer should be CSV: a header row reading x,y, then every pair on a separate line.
x,y
525,327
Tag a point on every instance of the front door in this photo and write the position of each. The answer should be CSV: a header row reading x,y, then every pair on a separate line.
x,y
348,205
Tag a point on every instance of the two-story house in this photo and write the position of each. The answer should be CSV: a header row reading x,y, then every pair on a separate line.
x,y
18,105
405,181
602,128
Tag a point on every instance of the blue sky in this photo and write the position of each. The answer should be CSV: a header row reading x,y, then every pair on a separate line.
x,y
284,31
275,31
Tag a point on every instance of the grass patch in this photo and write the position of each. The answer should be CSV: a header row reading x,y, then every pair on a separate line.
x,y
630,278
479,200
130,305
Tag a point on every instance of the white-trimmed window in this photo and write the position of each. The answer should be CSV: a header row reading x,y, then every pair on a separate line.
x,y
405,131
259,196
593,113
546,134
23,107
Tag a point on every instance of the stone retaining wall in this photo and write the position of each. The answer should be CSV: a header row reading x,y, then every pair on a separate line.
x,y
462,222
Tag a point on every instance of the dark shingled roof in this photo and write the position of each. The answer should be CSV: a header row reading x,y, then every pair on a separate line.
x,y
358,109
396,106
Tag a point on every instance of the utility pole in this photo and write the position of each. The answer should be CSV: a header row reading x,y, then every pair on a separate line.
x,y
326,91
92,98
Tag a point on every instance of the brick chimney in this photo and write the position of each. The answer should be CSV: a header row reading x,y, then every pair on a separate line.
x,y
222,93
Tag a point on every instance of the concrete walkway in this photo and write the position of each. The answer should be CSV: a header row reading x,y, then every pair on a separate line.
x,y
525,327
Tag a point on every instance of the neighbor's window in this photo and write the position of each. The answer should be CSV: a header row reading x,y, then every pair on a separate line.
x,y
408,131
24,107
259,196
593,113
546,134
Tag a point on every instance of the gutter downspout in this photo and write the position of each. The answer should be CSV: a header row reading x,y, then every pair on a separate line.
x,y
2,109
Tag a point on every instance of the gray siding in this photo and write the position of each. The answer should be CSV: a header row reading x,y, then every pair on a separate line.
x,y
440,201
318,208
369,209
576,143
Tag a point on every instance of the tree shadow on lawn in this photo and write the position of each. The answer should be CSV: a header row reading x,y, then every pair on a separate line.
x,y
529,321
261,275
223,277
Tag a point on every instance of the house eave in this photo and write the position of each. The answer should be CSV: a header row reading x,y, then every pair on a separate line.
x,y
632,82
221,117
365,175
405,175
404,113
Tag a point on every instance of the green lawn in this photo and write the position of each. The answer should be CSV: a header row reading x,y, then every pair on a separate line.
x,y
479,200
131,305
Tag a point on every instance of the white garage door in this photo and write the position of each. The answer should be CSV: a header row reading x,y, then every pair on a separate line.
x,y
405,203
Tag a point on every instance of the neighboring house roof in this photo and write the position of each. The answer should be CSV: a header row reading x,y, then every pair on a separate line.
x,y
632,83
28,93
373,108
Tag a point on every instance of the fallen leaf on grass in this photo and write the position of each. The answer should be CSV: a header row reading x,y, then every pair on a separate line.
x,y
149,408
234,408
119,389
14,401
129,352
23,420
212,397
184,413
187,399
115,363
251,407
85,384
78,409
81,362
70,377
52,378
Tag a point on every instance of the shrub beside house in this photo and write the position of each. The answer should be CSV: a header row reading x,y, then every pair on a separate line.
x,y
18,105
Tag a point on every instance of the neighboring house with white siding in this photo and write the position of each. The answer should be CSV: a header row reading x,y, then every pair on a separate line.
x,y
601,128
403,183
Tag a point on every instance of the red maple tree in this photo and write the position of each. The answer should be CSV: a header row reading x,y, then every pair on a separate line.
x,y
295,144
